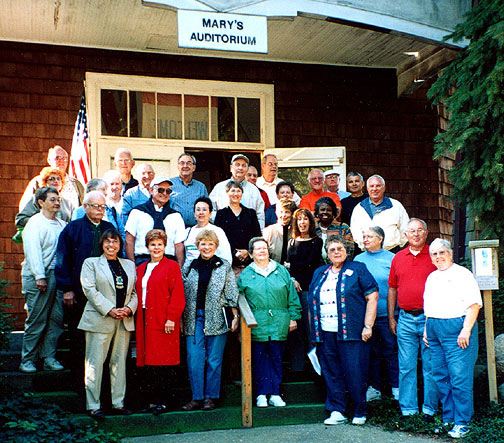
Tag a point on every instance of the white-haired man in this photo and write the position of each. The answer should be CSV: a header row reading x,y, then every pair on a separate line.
x,y
269,178
124,162
139,194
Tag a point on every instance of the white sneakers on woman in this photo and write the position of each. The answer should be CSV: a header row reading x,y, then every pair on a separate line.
x,y
274,400
336,418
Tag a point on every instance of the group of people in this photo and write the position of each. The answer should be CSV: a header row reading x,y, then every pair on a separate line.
x,y
160,255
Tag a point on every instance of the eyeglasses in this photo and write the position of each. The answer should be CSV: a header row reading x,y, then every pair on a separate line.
x,y
441,253
415,231
124,160
336,249
54,179
189,163
168,191
96,207
317,179
59,158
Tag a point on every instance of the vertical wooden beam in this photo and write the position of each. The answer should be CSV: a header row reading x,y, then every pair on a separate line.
x,y
246,367
490,346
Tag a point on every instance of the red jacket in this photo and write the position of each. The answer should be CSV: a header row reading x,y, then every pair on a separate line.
x,y
165,301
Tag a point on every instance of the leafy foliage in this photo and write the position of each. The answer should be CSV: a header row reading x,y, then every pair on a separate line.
x,y
472,88
24,418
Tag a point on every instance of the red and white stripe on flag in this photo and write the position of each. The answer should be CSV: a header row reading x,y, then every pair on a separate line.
x,y
79,157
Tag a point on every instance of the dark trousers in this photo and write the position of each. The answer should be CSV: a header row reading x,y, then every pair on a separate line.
x,y
267,366
297,340
383,353
344,366
77,340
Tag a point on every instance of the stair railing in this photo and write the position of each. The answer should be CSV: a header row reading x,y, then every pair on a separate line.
x,y
248,321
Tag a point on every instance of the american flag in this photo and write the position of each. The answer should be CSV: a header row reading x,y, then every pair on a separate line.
x,y
79,157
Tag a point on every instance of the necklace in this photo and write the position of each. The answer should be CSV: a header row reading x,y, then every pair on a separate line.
x,y
119,280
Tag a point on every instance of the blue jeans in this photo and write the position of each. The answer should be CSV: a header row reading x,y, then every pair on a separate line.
x,y
410,330
344,366
383,348
453,367
267,366
204,360
297,340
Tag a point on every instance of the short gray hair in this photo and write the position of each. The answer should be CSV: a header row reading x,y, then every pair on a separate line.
x,y
380,233
111,174
419,220
92,196
95,183
121,151
439,243
379,177
265,158
355,174
185,154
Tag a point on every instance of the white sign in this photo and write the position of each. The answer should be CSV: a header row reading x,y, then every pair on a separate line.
x,y
223,32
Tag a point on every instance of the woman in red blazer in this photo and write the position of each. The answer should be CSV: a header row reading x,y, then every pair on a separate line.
x,y
160,305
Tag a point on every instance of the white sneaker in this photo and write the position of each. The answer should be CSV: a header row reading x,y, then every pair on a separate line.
x,y
372,394
51,364
395,393
359,420
459,431
27,367
276,400
262,401
336,418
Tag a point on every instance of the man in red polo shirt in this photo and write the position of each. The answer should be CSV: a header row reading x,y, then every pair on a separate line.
x,y
408,273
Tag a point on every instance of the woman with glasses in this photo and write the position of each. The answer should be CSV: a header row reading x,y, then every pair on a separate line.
x,y
342,299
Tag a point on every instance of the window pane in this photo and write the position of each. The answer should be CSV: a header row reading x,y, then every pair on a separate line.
x,y
223,119
249,121
142,114
196,117
169,116
114,112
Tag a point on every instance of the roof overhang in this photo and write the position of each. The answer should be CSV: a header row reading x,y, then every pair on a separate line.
x,y
364,33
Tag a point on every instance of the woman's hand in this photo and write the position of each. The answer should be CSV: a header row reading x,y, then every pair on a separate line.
x,y
115,314
292,325
366,333
242,254
169,326
297,285
235,323
463,338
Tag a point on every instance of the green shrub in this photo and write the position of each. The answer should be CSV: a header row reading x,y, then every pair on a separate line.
x,y
25,419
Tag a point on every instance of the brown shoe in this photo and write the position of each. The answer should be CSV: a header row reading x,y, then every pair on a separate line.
x,y
193,405
208,404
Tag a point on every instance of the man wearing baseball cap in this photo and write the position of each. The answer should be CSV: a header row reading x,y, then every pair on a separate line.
x,y
251,196
155,214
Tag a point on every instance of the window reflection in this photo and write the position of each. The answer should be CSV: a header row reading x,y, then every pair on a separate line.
x,y
196,117
249,120
114,112
169,108
142,114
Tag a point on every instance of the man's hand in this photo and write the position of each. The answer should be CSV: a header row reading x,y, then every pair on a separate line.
x,y
69,298
41,284
393,325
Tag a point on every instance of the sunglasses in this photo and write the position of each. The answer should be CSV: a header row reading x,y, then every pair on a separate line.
x,y
168,191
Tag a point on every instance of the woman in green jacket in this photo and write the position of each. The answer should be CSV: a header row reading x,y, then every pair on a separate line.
x,y
275,304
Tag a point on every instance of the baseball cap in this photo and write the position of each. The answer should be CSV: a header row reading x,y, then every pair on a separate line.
x,y
331,172
240,156
159,180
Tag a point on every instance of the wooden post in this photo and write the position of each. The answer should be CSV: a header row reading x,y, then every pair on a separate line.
x,y
246,367
490,346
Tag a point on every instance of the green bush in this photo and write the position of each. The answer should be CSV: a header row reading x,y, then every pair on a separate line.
x,y
25,419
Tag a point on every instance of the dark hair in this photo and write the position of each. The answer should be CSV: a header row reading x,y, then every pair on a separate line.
x,y
295,229
41,193
203,200
328,201
155,234
282,184
339,239
233,184
255,240
111,233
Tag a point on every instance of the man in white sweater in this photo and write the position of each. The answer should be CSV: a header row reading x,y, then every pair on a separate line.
x,y
44,323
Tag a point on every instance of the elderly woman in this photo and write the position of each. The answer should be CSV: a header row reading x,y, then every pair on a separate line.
x,y
108,283
210,286
342,299
279,234
51,177
240,224
274,302
383,342
452,300
327,214
202,211
161,300
283,190
304,255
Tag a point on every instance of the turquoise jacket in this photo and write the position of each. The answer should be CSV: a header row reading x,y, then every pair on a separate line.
x,y
273,301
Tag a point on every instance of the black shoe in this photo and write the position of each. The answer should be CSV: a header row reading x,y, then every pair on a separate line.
x,y
160,409
121,411
148,409
97,414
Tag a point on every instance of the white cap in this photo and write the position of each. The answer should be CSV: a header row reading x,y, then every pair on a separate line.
x,y
331,172
159,180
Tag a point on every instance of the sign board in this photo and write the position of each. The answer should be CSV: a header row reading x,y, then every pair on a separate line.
x,y
222,32
485,263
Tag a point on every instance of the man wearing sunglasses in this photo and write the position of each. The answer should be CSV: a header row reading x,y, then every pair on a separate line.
x,y
155,214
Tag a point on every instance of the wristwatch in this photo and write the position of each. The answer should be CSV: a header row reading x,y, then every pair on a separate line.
x,y
368,327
